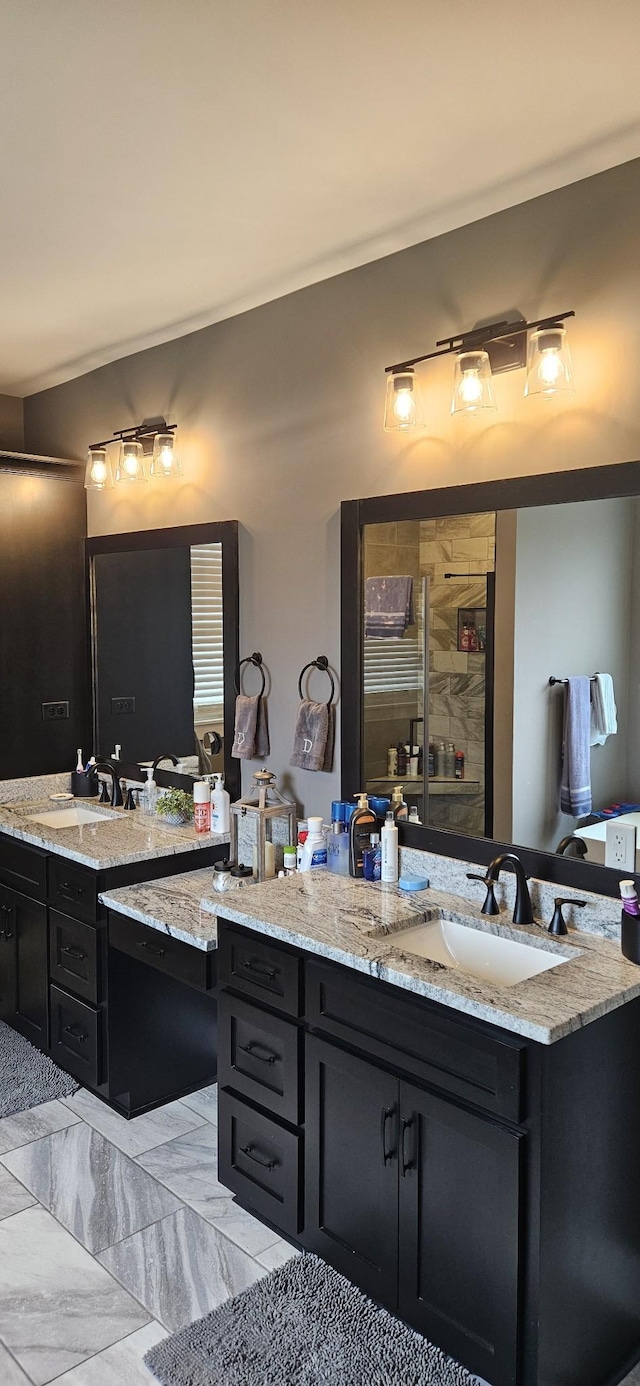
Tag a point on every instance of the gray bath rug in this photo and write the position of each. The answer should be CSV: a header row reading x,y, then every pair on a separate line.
x,y
27,1077
303,1325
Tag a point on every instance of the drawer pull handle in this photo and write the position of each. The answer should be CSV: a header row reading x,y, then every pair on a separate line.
x,y
252,1050
159,952
75,953
269,972
265,1164
4,933
70,888
75,1032
387,1113
407,1163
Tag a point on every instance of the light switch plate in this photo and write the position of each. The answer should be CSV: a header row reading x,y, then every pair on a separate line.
x,y
620,845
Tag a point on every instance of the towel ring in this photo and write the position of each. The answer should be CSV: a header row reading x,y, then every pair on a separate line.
x,y
255,658
321,663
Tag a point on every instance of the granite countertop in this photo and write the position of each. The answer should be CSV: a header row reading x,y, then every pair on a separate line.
x,y
354,923
121,838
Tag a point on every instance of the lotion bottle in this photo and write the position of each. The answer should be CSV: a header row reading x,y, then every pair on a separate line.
x,y
150,793
389,872
220,807
363,823
201,807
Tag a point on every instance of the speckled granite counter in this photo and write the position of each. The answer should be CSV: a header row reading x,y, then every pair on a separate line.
x,y
354,923
118,840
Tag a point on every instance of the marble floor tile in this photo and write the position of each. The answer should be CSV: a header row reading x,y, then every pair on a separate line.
x,y
204,1102
13,1196
10,1373
139,1134
58,1306
120,1365
38,1121
277,1255
94,1190
180,1268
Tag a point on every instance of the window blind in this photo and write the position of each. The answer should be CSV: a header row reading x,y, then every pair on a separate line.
x,y
206,623
392,665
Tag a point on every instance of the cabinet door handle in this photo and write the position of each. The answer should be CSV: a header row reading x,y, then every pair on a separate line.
x,y
265,1164
158,952
75,953
75,1032
407,1163
269,972
386,1115
4,933
252,1050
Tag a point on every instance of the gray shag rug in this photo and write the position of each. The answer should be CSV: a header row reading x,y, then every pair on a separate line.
x,y
304,1325
27,1077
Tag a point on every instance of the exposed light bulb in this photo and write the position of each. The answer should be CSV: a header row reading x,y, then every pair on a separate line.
x,y
402,402
166,457
550,367
130,464
470,387
99,473
404,407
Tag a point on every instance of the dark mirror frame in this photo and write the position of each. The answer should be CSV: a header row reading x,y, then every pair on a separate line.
x,y
514,493
223,532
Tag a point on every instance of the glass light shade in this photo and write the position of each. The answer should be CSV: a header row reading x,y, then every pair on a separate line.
x,y
98,473
549,367
402,402
472,383
165,460
131,461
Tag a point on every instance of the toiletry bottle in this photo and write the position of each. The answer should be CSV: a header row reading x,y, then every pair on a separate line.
x,y
392,762
338,850
372,859
432,760
459,765
150,794
220,811
201,807
441,755
314,852
450,761
413,763
630,932
303,831
401,759
289,855
363,823
414,816
399,807
389,871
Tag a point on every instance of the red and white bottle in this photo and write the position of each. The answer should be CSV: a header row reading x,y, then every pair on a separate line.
x,y
202,806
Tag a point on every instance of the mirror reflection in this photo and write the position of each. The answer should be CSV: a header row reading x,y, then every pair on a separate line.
x,y
466,620
159,654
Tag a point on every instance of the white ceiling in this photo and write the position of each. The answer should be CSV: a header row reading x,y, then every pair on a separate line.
x,y
168,163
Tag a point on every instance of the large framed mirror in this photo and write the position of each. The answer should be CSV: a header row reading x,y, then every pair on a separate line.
x,y
164,642
464,612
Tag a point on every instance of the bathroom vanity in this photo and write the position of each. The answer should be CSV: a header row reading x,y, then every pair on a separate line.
x,y
477,1178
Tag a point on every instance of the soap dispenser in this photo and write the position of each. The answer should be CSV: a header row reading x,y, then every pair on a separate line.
x,y
363,823
399,807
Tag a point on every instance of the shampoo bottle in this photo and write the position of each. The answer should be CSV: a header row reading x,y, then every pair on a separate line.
x,y
389,872
220,807
363,823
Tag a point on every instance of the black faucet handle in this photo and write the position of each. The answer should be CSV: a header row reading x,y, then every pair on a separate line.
x,y
490,905
558,925
104,792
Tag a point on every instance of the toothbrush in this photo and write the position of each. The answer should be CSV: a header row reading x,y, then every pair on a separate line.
x,y
80,765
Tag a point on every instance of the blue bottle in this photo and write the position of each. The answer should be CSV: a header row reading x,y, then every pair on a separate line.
x,y
372,859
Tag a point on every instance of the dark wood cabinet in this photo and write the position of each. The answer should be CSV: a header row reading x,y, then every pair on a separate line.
x,y
24,950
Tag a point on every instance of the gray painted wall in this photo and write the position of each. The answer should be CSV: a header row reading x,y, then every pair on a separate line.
x,y
11,422
280,409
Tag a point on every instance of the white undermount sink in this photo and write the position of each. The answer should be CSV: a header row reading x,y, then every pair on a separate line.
x,y
70,817
490,957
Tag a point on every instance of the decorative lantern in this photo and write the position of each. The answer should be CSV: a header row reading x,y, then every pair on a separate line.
x,y
263,804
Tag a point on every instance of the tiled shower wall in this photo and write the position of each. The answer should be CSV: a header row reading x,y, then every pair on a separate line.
x,y
461,544
390,549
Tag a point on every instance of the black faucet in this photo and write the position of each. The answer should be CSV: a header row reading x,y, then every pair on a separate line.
x,y
523,909
175,760
570,842
116,791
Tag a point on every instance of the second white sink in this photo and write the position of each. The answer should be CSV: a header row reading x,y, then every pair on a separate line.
x,y
71,817
487,956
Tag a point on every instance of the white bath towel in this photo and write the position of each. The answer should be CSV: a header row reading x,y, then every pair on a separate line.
x,y
604,716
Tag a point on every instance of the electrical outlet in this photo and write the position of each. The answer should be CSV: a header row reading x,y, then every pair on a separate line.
x,y
54,712
121,705
620,845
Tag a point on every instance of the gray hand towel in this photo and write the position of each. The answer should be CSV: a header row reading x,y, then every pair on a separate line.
x,y
388,607
311,736
575,787
251,732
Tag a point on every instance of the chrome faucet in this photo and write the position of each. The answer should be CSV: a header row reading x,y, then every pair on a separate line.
x,y
116,791
523,909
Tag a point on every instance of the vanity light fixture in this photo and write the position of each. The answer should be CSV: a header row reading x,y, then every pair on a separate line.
x,y
154,437
482,353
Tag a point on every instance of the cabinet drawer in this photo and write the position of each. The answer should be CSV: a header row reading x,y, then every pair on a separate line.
x,y
260,1162
258,1055
258,968
75,1037
194,966
73,888
24,868
74,959
465,1059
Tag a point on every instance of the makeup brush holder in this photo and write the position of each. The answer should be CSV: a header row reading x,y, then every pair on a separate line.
x,y
84,784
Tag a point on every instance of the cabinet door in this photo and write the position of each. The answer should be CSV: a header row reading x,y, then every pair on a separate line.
x,y
7,958
27,919
459,1191
351,1168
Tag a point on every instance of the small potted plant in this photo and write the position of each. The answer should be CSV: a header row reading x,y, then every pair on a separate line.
x,y
175,806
